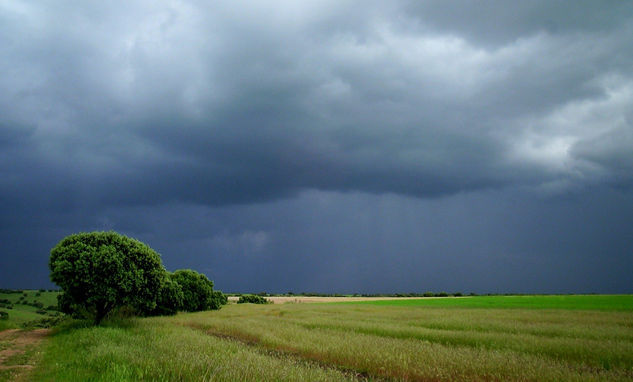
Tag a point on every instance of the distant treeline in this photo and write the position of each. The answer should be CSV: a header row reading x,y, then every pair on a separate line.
x,y
412,294
10,291
313,294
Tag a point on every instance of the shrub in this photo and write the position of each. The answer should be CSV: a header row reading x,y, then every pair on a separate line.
x,y
441,294
45,322
218,299
197,291
252,299
101,271
41,311
4,315
429,294
170,298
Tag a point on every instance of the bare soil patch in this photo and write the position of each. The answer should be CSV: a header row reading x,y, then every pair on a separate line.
x,y
18,354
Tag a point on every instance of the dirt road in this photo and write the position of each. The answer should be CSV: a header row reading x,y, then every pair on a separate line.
x,y
18,349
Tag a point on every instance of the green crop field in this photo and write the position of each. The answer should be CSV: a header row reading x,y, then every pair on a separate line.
x,y
573,302
488,338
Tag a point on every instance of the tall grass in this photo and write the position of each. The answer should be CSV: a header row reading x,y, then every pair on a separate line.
x,y
157,350
295,342
474,344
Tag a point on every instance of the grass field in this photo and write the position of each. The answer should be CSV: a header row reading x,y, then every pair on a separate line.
x,y
468,339
21,313
570,302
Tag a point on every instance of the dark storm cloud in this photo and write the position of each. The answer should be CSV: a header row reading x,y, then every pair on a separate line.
x,y
217,106
492,22
113,107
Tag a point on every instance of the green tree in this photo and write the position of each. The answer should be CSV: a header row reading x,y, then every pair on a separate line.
x,y
197,291
170,298
101,271
218,299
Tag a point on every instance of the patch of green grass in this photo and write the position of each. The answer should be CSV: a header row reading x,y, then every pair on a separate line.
x,y
46,298
160,350
293,342
21,313
8,374
4,325
24,357
571,302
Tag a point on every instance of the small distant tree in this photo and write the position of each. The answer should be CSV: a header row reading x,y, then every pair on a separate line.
x,y
101,271
252,299
197,291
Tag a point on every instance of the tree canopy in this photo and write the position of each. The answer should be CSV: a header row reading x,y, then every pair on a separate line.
x,y
100,271
197,291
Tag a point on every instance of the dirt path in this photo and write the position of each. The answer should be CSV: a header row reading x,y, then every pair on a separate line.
x,y
17,351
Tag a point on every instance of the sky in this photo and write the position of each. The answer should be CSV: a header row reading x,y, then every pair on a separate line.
x,y
325,146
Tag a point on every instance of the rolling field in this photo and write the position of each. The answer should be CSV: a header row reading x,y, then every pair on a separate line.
x,y
386,340
20,312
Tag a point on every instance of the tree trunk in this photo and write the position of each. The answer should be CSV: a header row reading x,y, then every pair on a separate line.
x,y
102,310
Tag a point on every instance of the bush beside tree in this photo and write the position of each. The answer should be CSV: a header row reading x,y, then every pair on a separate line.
x,y
197,289
170,298
218,299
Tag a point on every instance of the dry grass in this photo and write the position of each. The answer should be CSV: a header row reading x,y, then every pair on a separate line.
x,y
436,344
313,299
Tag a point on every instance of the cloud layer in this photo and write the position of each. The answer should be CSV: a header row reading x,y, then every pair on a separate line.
x,y
231,106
